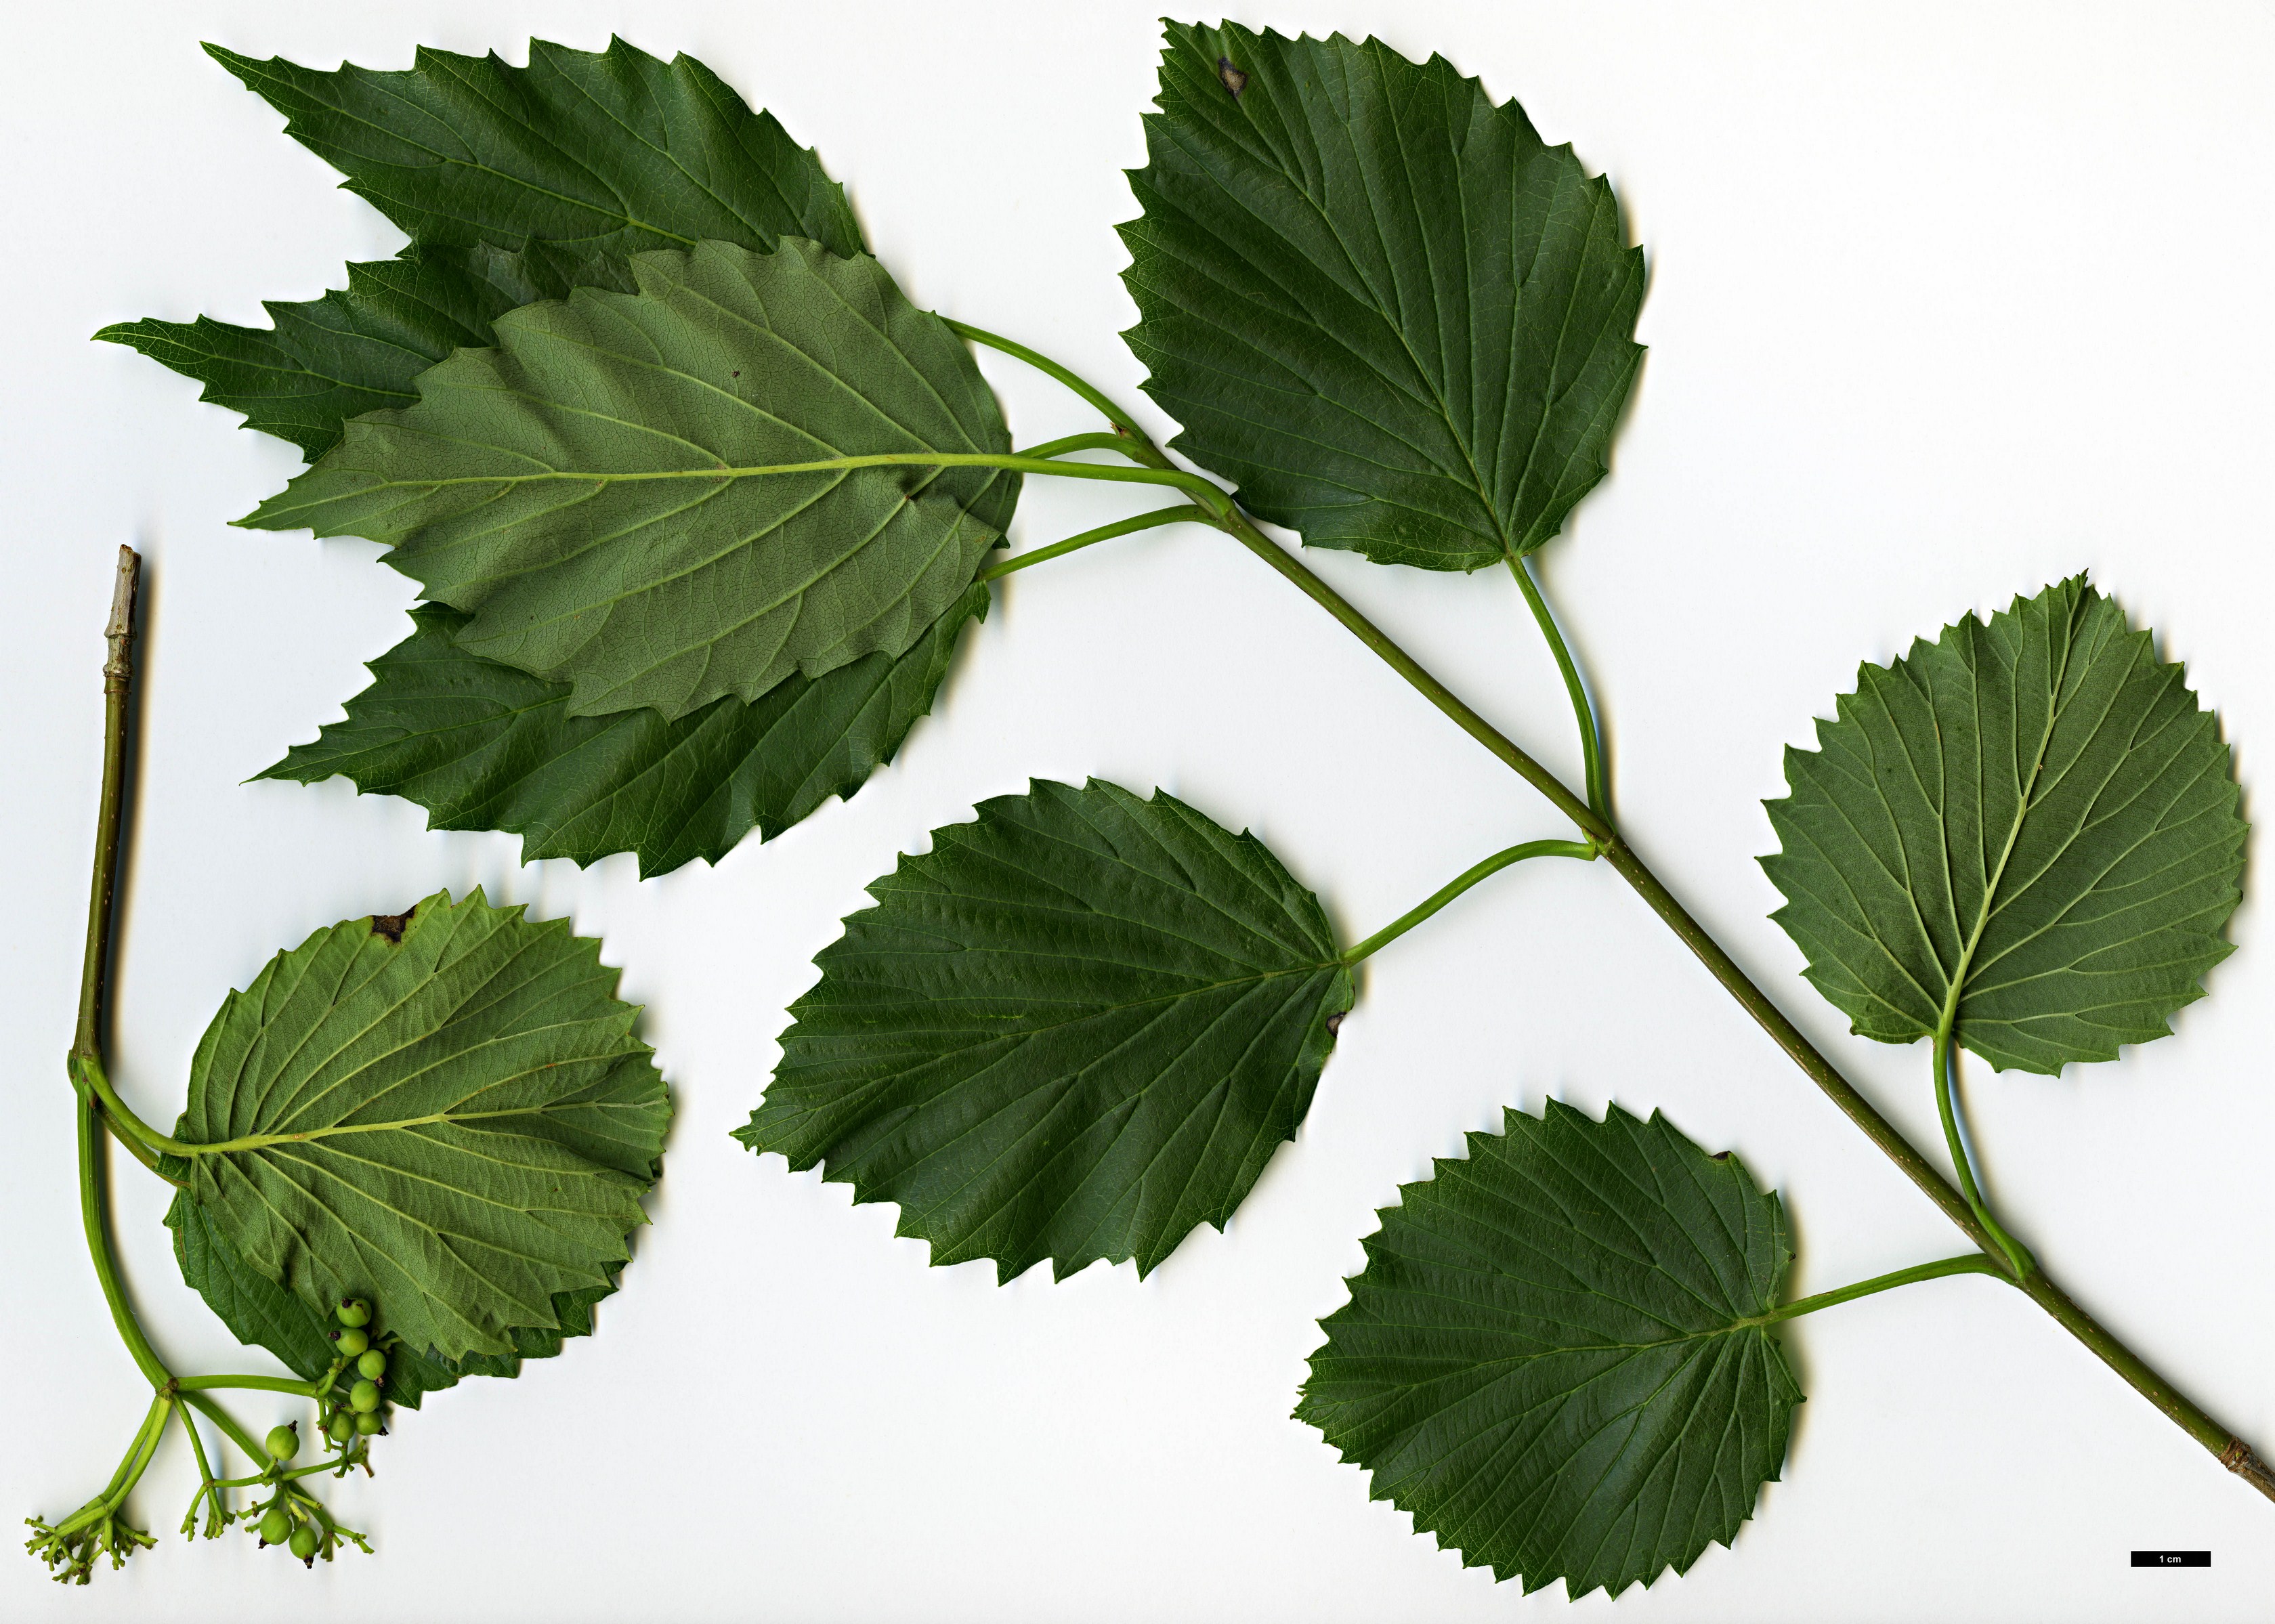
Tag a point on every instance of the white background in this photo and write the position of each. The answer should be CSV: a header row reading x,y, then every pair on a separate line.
x,y
1946,302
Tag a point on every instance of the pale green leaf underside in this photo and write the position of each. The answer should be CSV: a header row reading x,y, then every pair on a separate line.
x,y
457,1124
603,492
484,746
1375,300
1076,1028
2029,825
615,152
261,1313
1554,1360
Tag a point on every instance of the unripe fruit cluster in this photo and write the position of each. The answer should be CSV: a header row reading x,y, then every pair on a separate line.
x,y
278,1526
358,1415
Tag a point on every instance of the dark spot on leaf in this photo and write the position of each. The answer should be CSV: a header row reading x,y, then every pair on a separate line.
x,y
1235,81
735,373
390,925
1335,1022
1721,1155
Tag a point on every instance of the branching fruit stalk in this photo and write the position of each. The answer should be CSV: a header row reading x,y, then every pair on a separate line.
x,y
1592,815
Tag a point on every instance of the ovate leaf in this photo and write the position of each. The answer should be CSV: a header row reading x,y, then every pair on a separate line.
x,y
1376,300
605,492
445,1112
609,152
484,746
2028,827
1076,1028
1554,1358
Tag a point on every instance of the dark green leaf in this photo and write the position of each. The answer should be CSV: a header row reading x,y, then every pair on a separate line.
x,y
1554,1359
261,1313
358,350
606,153
1375,300
1076,1028
484,746
604,494
445,1112
345,354
2028,829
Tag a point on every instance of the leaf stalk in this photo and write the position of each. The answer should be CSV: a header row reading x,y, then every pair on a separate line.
x,y
1583,710
1946,1106
1585,850
1966,1262
1183,512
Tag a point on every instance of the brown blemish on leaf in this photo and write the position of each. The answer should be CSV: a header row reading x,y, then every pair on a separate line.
x,y
390,925
1335,1022
1235,81
1721,1155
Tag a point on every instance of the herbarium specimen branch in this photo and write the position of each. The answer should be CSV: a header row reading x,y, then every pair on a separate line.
x,y
701,505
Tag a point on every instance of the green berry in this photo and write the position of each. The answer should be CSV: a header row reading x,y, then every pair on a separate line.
x,y
373,1364
275,1527
354,1312
304,1543
363,1397
352,1342
368,1423
340,1427
284,1442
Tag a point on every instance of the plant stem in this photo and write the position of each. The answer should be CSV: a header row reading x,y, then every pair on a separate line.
x,y
1236,524
118,684
1591,733
2232,1451
1946,1106
120,1117
210,1408
1143,446
1966,1262
94,968
1183,512
1447,893
265,1384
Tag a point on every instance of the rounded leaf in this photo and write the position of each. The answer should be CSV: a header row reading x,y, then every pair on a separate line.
x,y
1554,1358
445,1112
2028,829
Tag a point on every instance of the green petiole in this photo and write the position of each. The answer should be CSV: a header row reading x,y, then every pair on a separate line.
x,y
1584,851
1584,712
1967,1263
1184,512
1946,1106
